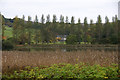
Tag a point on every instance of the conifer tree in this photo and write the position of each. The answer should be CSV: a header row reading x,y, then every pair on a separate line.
x,y
85,29
67,21
67,29
37,31
72,25
79,31
23,33
48,19
99,28
29,25
15,29
61,25
42,19
107,27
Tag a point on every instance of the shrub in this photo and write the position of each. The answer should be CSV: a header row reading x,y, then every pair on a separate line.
x,y
7,44
63,71
71,39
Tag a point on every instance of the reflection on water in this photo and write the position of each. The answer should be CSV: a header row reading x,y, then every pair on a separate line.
x,y
66,49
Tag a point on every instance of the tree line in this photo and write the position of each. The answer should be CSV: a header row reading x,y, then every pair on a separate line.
x,y
45,31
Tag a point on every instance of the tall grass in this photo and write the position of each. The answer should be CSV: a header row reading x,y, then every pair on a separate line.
x,y
14,60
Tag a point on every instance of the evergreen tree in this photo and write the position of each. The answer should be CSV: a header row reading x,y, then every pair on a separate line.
x,y
72,25
36,24
36,19
42,19
54,19
53,30
67,28
48,23
22,32
79,31
29,25
61,25
85,29
37,33
15,29
18,30
92,31
67,20
114,36
114,31
107,28
72,20
99,29
48,19
61,19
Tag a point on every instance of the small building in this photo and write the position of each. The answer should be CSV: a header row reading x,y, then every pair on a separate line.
x,y
61,37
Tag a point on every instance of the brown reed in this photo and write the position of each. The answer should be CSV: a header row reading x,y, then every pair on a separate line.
x,y
14,60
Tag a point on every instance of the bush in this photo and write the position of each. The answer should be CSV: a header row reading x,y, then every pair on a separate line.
x,y
114,39
63,71
71,39
7,44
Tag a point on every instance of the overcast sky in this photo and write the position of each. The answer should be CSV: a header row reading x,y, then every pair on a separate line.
x,y
77,8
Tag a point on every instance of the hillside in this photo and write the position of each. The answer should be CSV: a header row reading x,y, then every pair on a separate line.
x,y
8,32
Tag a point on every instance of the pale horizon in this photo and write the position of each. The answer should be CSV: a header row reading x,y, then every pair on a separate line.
x,y
77,8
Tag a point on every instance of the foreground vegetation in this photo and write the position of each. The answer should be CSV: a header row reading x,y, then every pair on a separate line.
x,y
16,60
63,70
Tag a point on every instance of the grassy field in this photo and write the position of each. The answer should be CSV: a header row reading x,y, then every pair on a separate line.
x,y
8,32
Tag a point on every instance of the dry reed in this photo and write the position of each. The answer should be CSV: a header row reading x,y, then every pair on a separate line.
x,y
13,60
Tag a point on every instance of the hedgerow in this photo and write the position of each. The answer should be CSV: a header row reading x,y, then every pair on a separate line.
x,y
64,71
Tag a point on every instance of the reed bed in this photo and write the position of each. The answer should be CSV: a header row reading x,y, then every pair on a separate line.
x,y
14,60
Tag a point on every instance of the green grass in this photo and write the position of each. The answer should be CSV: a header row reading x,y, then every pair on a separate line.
x,y
60,42
8,32
61,71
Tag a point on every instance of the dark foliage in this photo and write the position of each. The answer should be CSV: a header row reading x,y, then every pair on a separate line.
x,y
7,44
